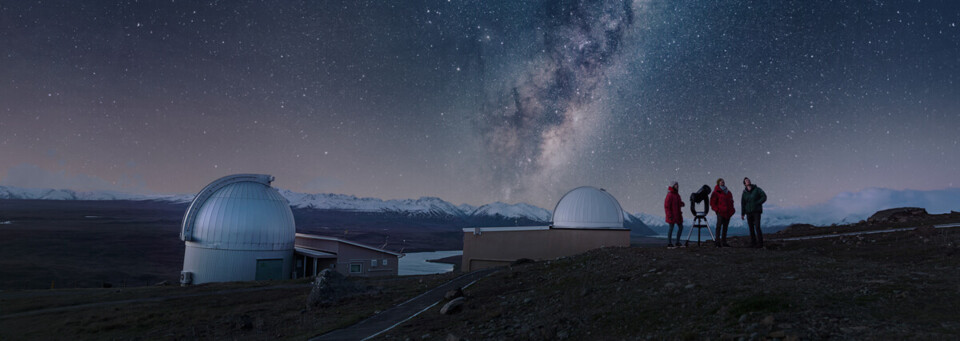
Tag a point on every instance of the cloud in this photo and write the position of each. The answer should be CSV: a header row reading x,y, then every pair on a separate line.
x,y
855,206
33,176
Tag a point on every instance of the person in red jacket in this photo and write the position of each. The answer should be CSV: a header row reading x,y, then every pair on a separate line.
x,y
671,206
721,202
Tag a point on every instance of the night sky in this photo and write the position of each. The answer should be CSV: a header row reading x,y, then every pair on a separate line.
x,y
482,101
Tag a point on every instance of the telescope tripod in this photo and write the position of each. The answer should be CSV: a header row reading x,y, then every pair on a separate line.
x,y
699,222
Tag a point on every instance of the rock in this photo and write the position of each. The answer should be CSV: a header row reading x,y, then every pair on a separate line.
x,y
527,300
898,215
244,322
563,334
329,287
453,294
425,336
768,320
690,286
452,306
778,334
451,337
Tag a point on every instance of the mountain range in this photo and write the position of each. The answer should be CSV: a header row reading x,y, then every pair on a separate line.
x,y
426,211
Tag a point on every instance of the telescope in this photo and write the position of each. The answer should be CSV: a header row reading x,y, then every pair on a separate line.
x,y
700,218
702,195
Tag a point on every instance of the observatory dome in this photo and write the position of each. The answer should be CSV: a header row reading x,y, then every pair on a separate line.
x,y
238,228
588,208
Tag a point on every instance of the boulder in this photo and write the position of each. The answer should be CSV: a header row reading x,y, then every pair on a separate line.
x,y
451,294
452,306
898,215
329,287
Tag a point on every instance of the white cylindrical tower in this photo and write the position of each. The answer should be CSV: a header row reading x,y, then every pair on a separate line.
x,y
588,208
238,228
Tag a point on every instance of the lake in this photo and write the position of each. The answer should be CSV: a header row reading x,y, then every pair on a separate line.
x,y
416,263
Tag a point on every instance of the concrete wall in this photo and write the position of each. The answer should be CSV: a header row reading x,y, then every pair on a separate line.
x,y
495,248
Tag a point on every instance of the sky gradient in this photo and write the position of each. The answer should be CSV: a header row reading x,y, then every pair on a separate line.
x,y
476,102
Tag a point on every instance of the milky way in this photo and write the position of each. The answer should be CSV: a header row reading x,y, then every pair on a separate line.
x,y
543,116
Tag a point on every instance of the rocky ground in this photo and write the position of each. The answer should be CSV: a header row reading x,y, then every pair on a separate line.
x,y
895,285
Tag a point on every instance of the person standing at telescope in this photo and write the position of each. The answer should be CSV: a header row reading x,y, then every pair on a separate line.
x,y
721,201
751,205
671,207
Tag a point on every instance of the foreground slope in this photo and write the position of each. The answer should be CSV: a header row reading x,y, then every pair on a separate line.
x,y
882,286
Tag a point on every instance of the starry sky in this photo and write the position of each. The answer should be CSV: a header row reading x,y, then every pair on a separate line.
x,y
482,101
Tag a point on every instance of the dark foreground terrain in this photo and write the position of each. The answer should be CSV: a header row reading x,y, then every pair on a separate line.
x,y
900,285
223,311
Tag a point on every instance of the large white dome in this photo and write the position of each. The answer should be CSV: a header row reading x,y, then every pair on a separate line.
x,y
238,228
588,208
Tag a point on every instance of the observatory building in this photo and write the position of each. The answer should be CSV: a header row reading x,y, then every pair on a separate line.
x,y
585,218
239,228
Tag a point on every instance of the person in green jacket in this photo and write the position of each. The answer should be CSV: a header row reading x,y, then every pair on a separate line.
x,y
751,206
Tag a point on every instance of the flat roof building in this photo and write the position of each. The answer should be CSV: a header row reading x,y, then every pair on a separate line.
x,y
315,253
585,218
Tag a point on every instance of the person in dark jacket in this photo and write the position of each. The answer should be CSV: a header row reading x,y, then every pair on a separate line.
x,y
721,201
671,207
751,205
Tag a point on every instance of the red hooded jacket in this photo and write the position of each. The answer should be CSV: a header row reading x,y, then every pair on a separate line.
x,y
671,207
722,202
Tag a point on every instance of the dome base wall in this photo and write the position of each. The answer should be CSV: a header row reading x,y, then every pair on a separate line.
x,y
219,265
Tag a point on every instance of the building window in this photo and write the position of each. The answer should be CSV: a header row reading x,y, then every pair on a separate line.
x,y
373,263
383,262
356,268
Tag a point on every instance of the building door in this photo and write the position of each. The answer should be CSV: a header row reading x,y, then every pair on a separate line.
x,y
269,269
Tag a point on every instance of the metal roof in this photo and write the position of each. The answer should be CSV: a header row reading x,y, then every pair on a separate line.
x,y
588,208
318,237
314,253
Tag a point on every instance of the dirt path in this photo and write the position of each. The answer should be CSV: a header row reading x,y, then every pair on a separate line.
x,y
151,299
402,312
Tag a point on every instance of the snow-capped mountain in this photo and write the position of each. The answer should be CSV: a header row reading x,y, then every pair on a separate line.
x,y
424,206
7,192
342,202
520,210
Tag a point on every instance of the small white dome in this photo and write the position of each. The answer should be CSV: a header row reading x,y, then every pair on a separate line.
x,y
241,215
588,208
